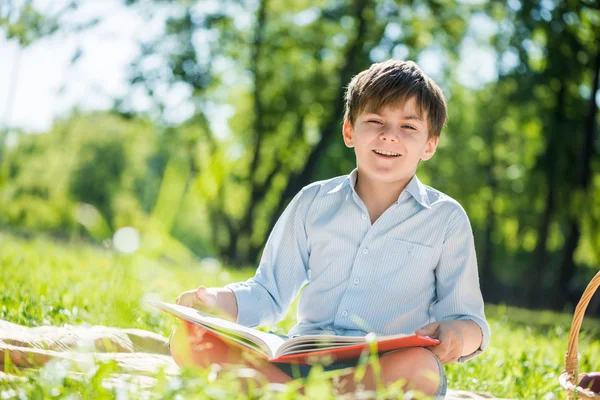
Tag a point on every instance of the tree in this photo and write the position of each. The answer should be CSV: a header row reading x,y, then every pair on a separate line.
x,y
269,71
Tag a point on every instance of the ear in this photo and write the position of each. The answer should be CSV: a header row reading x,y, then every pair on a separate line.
x,y
348,134
429,150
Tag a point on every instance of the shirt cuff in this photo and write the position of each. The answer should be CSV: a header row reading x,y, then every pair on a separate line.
x,y
247,305
485,331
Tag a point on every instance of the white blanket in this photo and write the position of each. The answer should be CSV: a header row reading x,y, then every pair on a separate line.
x,y
140,354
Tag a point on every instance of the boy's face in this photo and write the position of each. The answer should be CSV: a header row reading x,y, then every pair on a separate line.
x,y
399,132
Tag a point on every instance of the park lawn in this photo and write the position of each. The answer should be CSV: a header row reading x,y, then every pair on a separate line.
x,y
47,283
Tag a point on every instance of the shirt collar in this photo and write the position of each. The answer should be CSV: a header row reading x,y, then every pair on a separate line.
x,y
415,188
352,178
418,191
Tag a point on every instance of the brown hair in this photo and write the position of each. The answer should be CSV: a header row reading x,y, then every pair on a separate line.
x,y
393,82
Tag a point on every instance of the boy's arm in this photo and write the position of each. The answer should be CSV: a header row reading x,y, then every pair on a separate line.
x,y
459,299
283,270
226,302
280,275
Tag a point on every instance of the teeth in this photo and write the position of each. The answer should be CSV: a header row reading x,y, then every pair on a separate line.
x,y
386,153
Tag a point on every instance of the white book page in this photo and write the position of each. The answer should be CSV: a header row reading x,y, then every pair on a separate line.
x,y
311,343
317,342
268,342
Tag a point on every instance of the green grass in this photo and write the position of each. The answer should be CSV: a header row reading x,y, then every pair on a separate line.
x,y
46,283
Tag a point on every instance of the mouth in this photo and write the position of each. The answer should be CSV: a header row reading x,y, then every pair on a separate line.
x,y
386,154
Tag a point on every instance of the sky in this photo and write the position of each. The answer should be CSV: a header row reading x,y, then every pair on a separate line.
x,y
39,83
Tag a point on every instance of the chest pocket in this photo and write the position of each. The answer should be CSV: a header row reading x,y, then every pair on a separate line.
x,y
404,261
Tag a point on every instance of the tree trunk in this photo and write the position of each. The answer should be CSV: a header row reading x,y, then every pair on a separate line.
x,y
541,258
330,127
567,267
240,255
540,261
486,266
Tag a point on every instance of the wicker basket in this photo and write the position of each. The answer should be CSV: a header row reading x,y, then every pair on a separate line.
x,y
567,378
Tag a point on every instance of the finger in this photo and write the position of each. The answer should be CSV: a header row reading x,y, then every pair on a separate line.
x,y
444,359
451,351
453,345
440,355
450,357
441,350
200,296
183,300
435,353
177,299
429,329
208,299
186,299
196,300
435,350
454,357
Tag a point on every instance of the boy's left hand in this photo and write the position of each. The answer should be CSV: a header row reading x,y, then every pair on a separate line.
x,y
450,335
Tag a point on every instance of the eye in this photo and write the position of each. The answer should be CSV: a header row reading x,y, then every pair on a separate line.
x,y
409,127
374,121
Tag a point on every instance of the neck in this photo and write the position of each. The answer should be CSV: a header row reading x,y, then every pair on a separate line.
x,y
378,196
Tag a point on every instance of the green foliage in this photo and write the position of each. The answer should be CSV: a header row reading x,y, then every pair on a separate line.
x,y
46,283
282,78
266,81
100,160
26,24
510,147
98,174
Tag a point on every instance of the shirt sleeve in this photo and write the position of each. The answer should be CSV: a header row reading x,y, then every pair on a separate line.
x,y
457,279
282,271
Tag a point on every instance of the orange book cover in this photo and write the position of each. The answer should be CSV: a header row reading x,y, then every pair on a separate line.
x,y
307,349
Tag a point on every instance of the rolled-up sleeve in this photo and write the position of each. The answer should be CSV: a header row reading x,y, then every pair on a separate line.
x,y
282,271
457,279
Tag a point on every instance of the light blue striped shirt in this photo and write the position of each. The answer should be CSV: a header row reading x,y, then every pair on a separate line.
x,y
415,265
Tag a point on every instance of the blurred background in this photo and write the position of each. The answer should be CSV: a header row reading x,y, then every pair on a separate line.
x,y
182,128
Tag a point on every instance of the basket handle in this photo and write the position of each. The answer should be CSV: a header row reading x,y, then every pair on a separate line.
x,y
571,356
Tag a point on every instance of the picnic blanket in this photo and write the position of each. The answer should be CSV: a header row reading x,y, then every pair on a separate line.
x,y
140,354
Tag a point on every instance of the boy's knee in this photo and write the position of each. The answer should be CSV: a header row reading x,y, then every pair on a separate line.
x,y
187,343
192,345
417,366
178,345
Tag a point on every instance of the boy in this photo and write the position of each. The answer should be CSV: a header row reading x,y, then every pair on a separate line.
x,y
377,250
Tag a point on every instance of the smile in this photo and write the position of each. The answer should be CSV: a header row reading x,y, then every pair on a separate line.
x,y
386,153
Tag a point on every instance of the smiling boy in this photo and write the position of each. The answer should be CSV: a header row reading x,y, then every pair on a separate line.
x,y
377,250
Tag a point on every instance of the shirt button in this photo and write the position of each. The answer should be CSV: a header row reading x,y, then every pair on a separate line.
x,y
365,251
364,216
410,248
356,281
345,313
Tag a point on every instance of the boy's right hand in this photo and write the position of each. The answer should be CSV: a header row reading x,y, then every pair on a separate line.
x,y
202,299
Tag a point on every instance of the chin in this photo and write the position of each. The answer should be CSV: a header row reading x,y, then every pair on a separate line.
x,y
387,176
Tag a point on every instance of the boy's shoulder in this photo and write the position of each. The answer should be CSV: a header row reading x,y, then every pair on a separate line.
x,y
436,197
443,202
324,187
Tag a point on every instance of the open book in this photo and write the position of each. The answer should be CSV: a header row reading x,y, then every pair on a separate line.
x,y
307,349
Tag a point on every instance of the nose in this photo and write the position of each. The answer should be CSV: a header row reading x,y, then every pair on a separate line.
x,y
387,135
